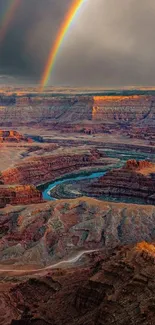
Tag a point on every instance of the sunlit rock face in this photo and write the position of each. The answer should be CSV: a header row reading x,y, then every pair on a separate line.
x,y
139,165
12,136
121,108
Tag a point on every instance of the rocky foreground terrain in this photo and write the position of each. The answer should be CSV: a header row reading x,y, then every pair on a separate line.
x,y
42,234
116,287
112,285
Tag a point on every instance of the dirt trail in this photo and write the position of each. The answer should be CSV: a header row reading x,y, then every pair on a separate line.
x,y
63,263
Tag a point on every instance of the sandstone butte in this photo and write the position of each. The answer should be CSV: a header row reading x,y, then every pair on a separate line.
x,y
116,287
12,136
134,180
19,194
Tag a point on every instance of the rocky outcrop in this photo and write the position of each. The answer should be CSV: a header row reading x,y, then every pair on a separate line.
x,y
19,194
139,165
43,234
12,136
134,181
42,169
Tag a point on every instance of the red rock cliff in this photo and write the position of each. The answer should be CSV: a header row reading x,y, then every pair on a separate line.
x,y
12,136
135,180
43,169
18,195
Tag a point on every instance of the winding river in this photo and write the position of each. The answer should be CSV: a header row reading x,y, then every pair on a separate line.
x,y
78,177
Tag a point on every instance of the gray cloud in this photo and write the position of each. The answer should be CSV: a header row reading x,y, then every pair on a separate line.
x,y
111,42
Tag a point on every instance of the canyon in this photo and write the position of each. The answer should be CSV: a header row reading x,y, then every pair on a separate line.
x,y
84,254
134,181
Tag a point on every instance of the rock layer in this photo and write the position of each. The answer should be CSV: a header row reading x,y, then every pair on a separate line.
x,y
38,170
135,180
19,194
121,108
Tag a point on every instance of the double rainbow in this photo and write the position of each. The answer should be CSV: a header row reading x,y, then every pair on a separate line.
x,y
75,7
7,17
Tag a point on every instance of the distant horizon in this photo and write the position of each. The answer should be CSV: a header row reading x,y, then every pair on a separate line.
x,y
36,86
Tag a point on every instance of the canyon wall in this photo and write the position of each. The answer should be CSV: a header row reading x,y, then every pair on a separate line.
x,y
42,111
75,109
121,108
38,170
19,195
136,180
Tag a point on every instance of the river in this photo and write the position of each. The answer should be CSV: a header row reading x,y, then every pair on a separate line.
x,y
78,177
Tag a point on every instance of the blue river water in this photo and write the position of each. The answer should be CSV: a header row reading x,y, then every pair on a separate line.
x,y
46,192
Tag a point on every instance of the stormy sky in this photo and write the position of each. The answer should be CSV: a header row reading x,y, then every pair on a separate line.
x,y
111,43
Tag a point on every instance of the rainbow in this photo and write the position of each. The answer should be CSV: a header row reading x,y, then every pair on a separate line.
x,y
7,17
73,10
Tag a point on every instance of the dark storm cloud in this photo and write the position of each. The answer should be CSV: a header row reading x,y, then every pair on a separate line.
x,y
111,42
29,36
